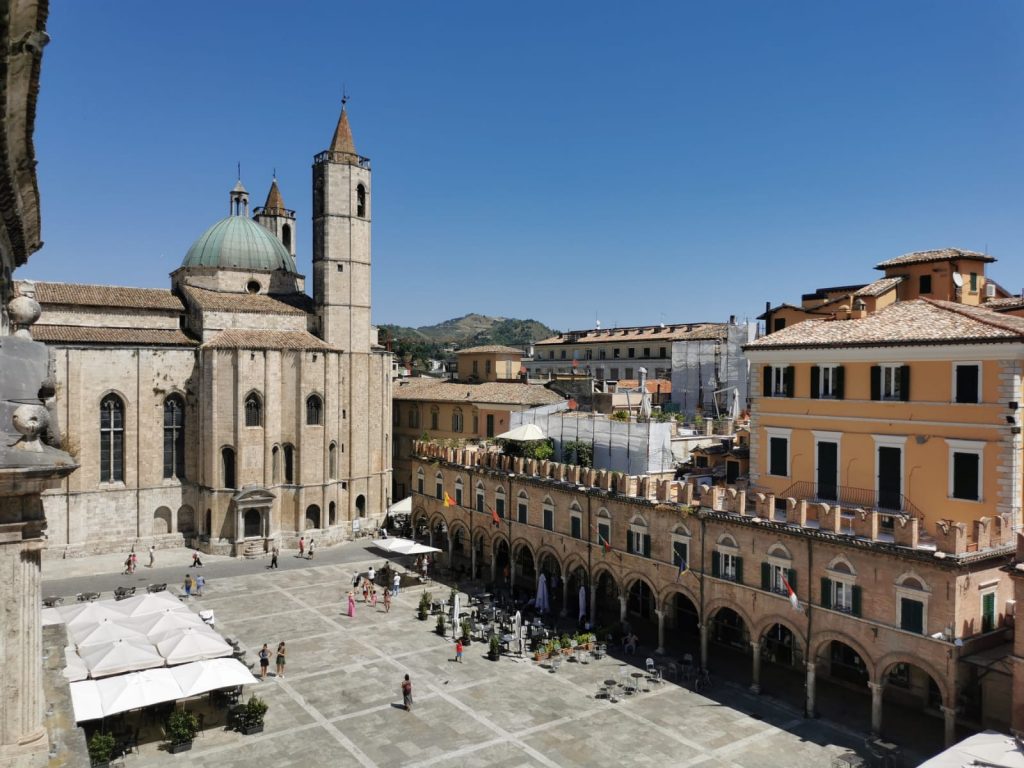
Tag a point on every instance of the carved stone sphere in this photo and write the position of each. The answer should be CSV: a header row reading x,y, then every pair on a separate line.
x,y
31,420
23,310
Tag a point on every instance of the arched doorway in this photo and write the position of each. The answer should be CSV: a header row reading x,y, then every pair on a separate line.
x,y
552,569
312,517
577,578
420,528
460,550
361,505
502,563
252,521
161,521
526,571
685,637
640,607
729,645
186,520
912,707
606,601
440,537
841,690
782,669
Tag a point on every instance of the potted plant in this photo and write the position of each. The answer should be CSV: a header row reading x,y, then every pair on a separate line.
x,y
423,610
252,715
566,645
554,647
101,747
440,624
465,631
495,648
182,727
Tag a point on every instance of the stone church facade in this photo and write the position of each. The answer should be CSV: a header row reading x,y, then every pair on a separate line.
x,y
231,411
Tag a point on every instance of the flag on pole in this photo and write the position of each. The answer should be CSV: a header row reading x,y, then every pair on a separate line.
x,y
602,540
448,501
494,517
793,599
683,568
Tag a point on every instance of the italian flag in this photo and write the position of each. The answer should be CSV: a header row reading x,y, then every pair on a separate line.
x,y
793,599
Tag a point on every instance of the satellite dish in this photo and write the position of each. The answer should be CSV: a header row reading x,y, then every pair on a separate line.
x,y
958,280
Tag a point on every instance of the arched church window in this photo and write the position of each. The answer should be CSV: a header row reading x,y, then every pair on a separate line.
x,y
174,437
289,464
253,410
286,236
111,439
275,465
314,410
227,458
361,201
332,461
457,420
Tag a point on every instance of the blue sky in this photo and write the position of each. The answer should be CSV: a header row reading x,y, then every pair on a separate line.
x,y
572,161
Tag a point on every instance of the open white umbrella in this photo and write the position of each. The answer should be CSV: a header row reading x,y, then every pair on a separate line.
x,y
139,689
74,667
193,644
105,631
84,614
211,674
85,699
158,626
541,602
151,602
120,656
524,433
583,601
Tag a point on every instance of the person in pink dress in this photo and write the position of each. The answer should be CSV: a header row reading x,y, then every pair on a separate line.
x,y
351,605
373,596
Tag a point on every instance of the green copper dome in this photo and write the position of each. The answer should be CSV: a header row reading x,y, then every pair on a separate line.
x,y
239,242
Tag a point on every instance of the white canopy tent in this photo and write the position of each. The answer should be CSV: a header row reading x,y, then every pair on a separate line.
x,y
158,626
74,667
987,748
137,690
403,507
211,674
523,434
120,656
85,699
193,644
105,631
144,605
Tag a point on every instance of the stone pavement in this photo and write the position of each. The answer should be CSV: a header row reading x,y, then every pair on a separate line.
x,y
338,703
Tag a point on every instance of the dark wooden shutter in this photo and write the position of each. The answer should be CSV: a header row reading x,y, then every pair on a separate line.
x,y
766,576
716,564
766,381
826,592
647,545
904,382
790,379
791,579
965,476
839,383
967,384
739,570
876,382
815,382
856,601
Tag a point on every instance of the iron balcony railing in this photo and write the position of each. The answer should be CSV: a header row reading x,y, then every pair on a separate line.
x,y
885,502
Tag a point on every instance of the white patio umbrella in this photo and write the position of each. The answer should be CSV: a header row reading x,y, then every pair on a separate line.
x,y
583,601
120,656
89,613
193,644
74,667
139,689
523,433
158,626
155,602
104,632
51,616
541,602
210,674
85,699
455,616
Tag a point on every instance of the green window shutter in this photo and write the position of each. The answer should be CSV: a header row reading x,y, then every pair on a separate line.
x,y
856,600
904,382
876,382
790,379
647,545
791,579
716,564
826,592
766,576
739,570
815,382
839,384
766,381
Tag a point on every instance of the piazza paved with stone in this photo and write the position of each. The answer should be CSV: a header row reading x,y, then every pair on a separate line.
x,y
338,704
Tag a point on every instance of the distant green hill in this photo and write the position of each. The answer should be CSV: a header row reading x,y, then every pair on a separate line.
x,y
417,345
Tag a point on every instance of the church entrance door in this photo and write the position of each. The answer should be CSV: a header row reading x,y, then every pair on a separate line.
x,y
253,520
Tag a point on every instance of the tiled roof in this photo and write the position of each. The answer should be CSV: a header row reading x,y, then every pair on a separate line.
x,y
495,349
215,301
880,287
488,392
654,386
921,321
113,296
672,332
238,339
1004,304
146,337
941,254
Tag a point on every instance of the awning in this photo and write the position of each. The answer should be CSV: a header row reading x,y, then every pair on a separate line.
x,y
403,507
988,748
211,674
523,433
193,644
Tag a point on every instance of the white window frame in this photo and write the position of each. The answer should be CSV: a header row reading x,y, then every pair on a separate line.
x,y
727,556
780,433
680,536
638,528
829,437
779,566
778,388
911,593
976,447
831,369
890,371
952,388
847,581
575,513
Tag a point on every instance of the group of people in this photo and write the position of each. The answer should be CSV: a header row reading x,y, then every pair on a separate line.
x,y
305,550
132,561
194,584
368,585
282,657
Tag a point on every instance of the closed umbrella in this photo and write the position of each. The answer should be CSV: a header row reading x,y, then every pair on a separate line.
x,y
209,675
517,628
542,594
139,689
193,644
120,656
105,631
583,601
455,616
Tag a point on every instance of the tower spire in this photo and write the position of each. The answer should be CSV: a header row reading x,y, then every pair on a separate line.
x,y
342,141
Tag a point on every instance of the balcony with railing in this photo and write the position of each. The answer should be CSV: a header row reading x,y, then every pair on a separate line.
x,y
888,504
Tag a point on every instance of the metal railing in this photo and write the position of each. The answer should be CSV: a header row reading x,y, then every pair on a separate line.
x,y
886,503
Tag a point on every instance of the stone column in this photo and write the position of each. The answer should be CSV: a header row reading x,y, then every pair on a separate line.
x,y
809,706
472,560
876,707
755,668
565,598
593,609
451,547
661,632
622,607
949,716
704,645
511,570
494,565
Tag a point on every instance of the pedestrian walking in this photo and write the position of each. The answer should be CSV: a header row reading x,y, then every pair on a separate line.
x,y
387,600
152,555
371,574
135,561
395,584
281,653
366,590
458,650
273,558
407,694
264,661
127,565
302,546
310,555
200,583
351,604
373,596
188,585
196,560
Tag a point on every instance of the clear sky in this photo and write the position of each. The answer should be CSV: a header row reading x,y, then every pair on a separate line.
x,y
566,161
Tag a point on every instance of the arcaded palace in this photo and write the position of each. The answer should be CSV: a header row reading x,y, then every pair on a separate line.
x,y
230,410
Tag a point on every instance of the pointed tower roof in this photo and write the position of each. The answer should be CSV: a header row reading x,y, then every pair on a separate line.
x,y
343,135
274,199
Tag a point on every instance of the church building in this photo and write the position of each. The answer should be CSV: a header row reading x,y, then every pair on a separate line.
x,y
231,411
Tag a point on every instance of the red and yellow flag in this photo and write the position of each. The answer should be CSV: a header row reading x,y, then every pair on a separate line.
x,y
448,501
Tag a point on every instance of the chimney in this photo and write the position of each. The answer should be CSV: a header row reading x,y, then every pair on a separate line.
x,y
860,310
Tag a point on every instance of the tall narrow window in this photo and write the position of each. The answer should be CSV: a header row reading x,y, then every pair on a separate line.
x,y
457,420
174,437
275,465
111,439
332,461
314,410
253,410
286,237
361,201
227,458
289,464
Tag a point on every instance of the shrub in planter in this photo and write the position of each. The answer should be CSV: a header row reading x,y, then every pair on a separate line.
x,y
465,631
182,727
440,624
423,610
495,648
101,747
251,717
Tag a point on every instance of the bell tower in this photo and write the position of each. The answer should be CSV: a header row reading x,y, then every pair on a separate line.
x,y
341,242
276,218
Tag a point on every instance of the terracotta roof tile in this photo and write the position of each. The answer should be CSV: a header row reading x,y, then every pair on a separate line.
x,y
1004,304
495,349
671,332
880,287
940,254
215,301
489,392
146,337
239,339
921,321
654,386
114,296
